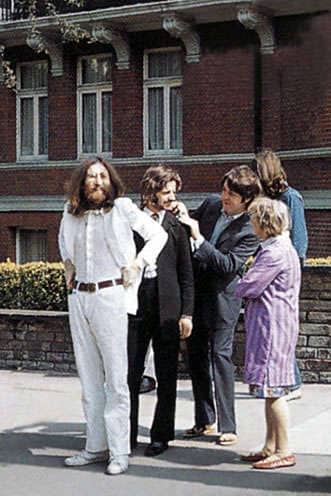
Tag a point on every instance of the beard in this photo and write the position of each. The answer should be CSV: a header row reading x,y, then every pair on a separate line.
x,y
97,197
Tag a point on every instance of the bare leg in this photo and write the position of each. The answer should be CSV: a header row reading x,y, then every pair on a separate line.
x,y
270,441
280,420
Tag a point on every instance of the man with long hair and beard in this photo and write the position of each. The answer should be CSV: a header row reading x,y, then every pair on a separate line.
x,y
103,273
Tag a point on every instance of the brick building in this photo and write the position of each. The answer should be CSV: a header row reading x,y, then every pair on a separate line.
x,y
197,84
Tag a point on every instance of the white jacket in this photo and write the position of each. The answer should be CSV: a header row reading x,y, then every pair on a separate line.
x,y
124,218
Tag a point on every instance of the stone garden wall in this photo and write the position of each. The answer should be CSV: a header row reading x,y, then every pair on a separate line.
x,y
39,340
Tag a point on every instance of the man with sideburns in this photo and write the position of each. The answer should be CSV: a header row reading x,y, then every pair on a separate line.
x,y
165,308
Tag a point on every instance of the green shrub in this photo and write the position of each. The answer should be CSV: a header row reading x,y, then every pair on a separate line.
x,y
33,286
41,285
9,285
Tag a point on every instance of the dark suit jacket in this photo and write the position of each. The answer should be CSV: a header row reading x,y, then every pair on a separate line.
x,y
218,268
175,274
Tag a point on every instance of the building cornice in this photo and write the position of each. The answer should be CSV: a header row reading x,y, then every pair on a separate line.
x,y
189,160
149,16
314,200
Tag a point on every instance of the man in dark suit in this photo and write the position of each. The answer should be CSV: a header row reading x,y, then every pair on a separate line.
x,y
224,240
165,309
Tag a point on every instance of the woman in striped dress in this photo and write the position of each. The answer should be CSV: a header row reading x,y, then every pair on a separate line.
x,y
272,288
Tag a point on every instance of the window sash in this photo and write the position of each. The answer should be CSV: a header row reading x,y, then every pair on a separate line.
x,y
163,110
95,69
33,125
164,64
95,121
164,117
32,110
31,246
89,123
33,76
106,120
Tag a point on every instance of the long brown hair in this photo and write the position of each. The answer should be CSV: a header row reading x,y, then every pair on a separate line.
x,y
75,188
271,173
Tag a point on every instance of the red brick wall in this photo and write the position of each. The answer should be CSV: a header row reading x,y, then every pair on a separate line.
x,y
33,182
62,121
319,230
304,57
128,110
7,125
28,220
218,94
309,173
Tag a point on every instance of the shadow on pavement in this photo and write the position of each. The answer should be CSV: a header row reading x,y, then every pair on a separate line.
x,y
52,442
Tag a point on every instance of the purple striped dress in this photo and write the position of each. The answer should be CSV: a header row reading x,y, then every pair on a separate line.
x,y
272,288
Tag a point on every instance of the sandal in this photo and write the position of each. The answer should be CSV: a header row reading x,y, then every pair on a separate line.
x,y
197,431
227,439
254,456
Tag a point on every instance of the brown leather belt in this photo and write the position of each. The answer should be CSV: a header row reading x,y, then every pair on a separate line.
x,y
91,287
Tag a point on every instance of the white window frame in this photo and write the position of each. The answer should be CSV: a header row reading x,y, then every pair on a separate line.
x,y
35,94
167,83
91,88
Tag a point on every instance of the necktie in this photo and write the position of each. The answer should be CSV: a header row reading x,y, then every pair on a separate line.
x,y
155,216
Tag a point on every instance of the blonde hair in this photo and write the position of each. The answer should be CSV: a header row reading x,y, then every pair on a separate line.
x,y
272,216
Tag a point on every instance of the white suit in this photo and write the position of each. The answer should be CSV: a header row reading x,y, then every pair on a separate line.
x,y
99,244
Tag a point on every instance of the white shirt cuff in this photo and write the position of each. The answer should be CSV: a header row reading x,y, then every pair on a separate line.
x,y
198,242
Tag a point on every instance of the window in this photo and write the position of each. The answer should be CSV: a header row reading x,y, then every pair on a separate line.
x,y
32,110
31,246
163,101
94,105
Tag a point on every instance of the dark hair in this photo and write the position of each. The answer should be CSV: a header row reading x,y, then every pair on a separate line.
x,y
271,173
75,188
155,179
243,180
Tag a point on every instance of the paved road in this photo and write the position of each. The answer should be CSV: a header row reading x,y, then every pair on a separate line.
x,y
41,422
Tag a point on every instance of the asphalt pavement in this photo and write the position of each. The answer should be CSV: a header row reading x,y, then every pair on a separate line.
x,y
41,422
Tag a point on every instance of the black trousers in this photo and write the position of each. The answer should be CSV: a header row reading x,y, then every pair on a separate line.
x,y
216,344
165,341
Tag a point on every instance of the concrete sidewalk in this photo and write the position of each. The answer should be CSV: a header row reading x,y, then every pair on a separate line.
x,y
41,422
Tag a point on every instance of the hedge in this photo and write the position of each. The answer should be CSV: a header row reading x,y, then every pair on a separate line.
x,y
33,286
41,285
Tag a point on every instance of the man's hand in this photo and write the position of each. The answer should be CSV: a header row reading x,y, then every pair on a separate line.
x,y
69,273
130,273
193,225
179,209
185,327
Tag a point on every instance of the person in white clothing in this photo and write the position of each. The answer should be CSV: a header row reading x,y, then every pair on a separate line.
x,y
103,273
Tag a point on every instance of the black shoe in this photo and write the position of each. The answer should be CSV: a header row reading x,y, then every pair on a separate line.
x,y
156,448
147,384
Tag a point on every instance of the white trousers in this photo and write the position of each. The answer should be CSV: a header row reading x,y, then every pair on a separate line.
x,y
99,327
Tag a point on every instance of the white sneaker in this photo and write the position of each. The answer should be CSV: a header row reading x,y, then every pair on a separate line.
x,y
86,458
118,465
295,394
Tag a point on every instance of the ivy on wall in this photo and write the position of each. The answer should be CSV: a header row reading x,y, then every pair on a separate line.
x,y
69,32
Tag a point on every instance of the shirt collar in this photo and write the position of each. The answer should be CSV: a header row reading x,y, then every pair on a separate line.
x,y
161,214
232,217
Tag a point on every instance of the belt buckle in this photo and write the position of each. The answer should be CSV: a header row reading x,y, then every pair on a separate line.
x,y
91,287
